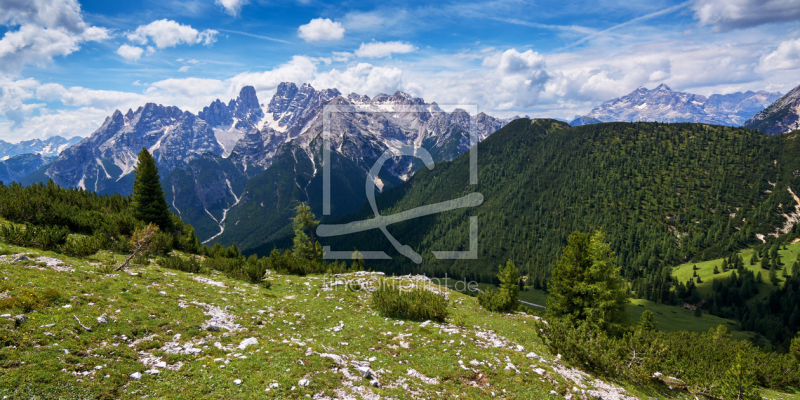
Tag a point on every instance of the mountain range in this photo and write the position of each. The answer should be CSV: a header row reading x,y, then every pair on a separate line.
x,y
663,104
49,147
243,161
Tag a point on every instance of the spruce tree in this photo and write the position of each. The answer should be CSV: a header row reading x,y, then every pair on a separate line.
x,y
148,203
586,285
754,258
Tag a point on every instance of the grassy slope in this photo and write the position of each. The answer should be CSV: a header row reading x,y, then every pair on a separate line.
x,y
669,318
683,272
297,311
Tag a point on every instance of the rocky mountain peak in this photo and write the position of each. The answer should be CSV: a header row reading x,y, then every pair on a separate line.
x,y
782,116
667,105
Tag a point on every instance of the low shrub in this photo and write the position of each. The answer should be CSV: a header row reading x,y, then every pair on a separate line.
x,y
24,301
419,304
53,296
161,243
496,301
80,246
178,263
141,259
45,238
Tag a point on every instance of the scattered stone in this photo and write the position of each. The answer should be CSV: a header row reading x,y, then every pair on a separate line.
x,y
365,372
136,375
152,372
247,342
237,381
430,381
103,319
303,382
334,357
208,281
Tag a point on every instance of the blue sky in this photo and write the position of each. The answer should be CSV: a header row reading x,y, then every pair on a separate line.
x,y
65,65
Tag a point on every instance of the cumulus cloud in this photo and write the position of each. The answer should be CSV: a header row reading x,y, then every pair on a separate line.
x,y
232,7
383,49
46,29
166,33
786,56
130,53
299,69
363,78
522,77
726,15
321,29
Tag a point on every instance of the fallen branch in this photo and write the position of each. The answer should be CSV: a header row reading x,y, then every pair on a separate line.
x,y
82,325
139,242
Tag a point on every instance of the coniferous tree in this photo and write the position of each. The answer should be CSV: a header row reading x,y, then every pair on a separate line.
x,y
765,263
646,322
148,203
754,258
586,285
304,245
724,265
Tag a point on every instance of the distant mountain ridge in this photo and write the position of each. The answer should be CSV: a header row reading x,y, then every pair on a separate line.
x,y
49,147
662,104
217,164
782,116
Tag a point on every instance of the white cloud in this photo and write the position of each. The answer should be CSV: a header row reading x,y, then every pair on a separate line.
x,y
130,53
363,79
725,15
232,7
383,49
184,68
519,76
65,14
188,87
12,95
321,29
342,56
166,33
786,56
299,69
47,29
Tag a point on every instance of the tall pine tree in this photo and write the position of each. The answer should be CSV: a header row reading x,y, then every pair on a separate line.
x,y
148,202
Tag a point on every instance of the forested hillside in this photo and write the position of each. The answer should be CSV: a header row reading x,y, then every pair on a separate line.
x,y
663,193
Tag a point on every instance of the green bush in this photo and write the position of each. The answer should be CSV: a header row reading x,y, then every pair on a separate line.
x,y
418,304
266,284
141,259
161,243
496,301
181,264
80,246
45,238
24,301
53,296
